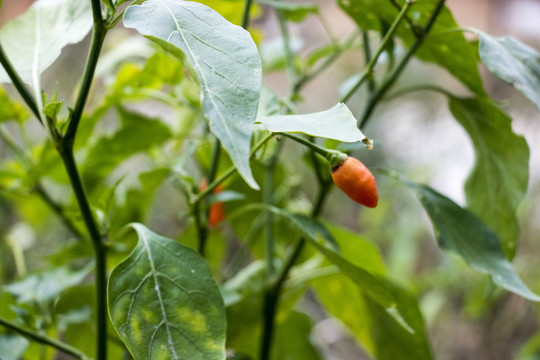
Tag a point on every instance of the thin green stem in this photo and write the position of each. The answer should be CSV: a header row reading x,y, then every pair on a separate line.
x,y
272,295
289,55
98,36
303,80
245,13
381,91
368,70
424,87
19,84
45,340
66,153
334,157
268,198
58,210
230,171
368,56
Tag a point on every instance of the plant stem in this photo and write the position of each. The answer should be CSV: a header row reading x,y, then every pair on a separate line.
x,y
66,153
368,56
368,70
339,48
46,340
230,171
375,98
245,14
58,210
291,68
271,299
98,36
19,84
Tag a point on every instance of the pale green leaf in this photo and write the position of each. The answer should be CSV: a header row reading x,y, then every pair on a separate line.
x,y
164,302
499,179
225,59
513,62
35,40
461,232
335,123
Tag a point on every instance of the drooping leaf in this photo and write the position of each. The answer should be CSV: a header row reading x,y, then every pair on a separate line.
x,y
335,123
449,49
225,59
513,62
461,232
370,323
499,179
34,40
164,302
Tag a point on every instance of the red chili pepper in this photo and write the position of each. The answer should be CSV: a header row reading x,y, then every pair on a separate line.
x,y
355,180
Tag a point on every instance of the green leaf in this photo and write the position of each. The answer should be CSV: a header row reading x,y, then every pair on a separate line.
x,y
35,40
295,12
335,123
461,232
448,49
513,62
371,323
138,134
164,302
498,182
225,59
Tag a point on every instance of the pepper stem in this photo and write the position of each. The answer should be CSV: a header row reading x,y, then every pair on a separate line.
x,y
334,157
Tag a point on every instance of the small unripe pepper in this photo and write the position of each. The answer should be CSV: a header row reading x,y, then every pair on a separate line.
x,y
355,180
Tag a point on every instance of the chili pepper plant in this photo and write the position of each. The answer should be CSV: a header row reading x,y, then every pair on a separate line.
x,y
159,200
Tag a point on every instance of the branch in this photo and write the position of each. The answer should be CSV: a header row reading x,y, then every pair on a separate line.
x,y
19,84
374,99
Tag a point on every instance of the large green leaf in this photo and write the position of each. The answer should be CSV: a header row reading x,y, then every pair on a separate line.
x,y
513,62
449,49
35,40
225,59
461,232
499,179
369,322
164,302
335,123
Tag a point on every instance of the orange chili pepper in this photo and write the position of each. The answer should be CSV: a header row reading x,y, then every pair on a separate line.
x,y
217,209
355,180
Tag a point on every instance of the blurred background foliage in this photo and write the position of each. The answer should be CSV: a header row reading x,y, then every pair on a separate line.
x,y
466,316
